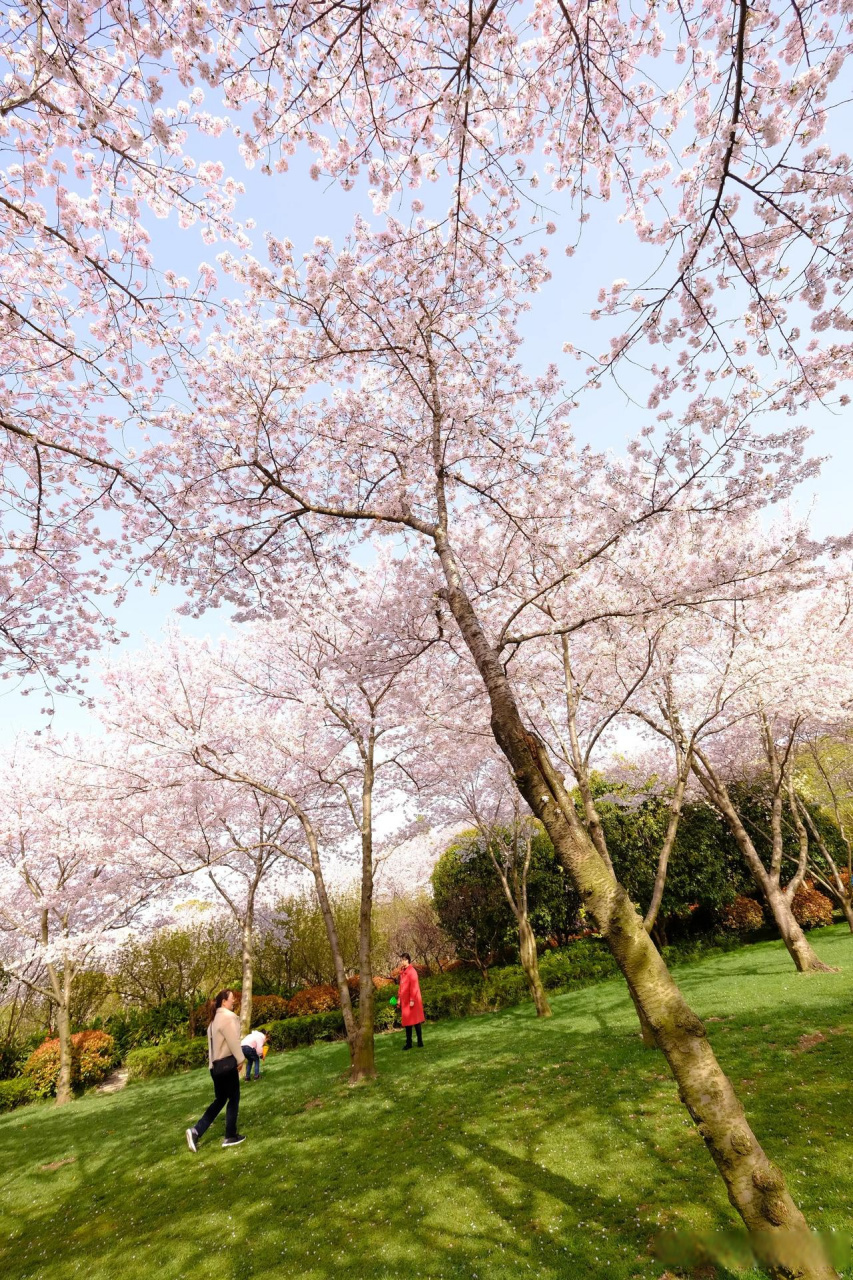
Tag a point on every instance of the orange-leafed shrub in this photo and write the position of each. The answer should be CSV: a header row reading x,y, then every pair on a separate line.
x,y
313,1000
811,908
268,1009
744,915
264,1009
422,970
92,1058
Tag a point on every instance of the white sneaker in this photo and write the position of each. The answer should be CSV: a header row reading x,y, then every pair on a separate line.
x,y
191,1140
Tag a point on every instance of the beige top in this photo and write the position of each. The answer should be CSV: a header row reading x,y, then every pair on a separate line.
x,y
223,1037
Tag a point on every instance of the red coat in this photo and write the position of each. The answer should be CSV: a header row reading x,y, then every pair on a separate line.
x,y
411,1004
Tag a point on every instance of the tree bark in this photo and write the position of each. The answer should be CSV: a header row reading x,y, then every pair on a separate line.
x,y
62,987
756,1188
530,965
362,1057
248,968
666,849
63,1083
331,932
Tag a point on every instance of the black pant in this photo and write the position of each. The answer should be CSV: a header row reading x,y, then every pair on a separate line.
x,y
409,1035
251,1055
227,1090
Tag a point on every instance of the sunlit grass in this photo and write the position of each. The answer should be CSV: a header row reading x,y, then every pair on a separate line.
x,y
505,1148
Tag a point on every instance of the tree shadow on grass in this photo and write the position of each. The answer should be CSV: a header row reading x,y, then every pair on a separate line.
x,y
507,1146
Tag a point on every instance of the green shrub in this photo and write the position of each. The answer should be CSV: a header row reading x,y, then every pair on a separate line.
x,y
289,1033
16,1093
13,1056
505,987
384,1016
136,1027
581,964
93,1056
153,1061
447,997
691,950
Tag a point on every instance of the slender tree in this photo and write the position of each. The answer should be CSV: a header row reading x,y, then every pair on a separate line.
x,y
495,805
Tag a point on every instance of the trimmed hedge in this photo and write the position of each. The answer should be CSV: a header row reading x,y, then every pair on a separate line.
x,y
289,1033
16,1093
165,1059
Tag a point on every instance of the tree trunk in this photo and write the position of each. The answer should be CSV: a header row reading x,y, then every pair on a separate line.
x,y
801,950
530,965
646,1033
63,1083
248,971
60,985
847,908
362,1053
835,885
331,929
756,1188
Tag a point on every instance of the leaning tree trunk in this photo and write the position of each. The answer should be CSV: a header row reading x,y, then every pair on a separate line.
x,y
756,1188
801,950
530,965
835,885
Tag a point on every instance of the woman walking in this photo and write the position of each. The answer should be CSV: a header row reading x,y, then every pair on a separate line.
x,y
225,1058
411,1004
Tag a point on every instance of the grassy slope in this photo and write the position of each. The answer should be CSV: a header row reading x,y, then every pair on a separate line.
x,y
505,1148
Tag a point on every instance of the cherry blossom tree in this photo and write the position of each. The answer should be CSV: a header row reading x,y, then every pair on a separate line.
x,y
309,718
233,839
745,682
380,386
90,324
70,880
434,435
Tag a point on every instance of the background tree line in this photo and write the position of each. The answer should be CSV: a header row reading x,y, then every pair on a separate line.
x,y
156,979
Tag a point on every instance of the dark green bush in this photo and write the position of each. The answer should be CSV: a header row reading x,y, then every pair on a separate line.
x,y
137,1027
447,997
472,908
16,1093
289,1033
165,1059
581,964
14,1055
384,1016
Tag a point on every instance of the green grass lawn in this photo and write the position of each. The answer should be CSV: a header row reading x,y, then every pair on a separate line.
x,y
505,1148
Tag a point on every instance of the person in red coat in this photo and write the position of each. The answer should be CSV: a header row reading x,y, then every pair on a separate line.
x,y
411,1004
